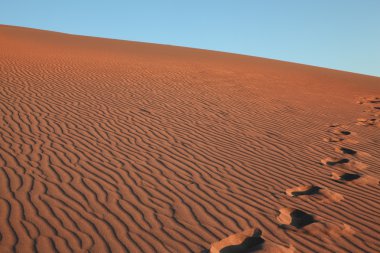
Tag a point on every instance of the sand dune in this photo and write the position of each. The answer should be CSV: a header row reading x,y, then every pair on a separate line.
x,y
116,146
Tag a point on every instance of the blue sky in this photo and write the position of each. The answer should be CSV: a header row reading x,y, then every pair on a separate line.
x,y
339,34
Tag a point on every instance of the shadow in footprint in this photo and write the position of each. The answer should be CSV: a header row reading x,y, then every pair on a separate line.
x,y
247,245
355,178
345,132
349,177
301,219
344,177
319,194
344,162
346,151
307,190
341,132
332,162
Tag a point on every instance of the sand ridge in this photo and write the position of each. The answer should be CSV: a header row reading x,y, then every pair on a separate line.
x,y
117,146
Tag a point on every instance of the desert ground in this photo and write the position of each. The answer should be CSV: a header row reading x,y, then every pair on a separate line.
x,y
118,146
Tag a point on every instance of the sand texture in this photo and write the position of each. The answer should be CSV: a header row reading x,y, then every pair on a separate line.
x,y
117,146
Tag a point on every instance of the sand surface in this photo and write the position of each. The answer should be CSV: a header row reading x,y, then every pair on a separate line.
x,y
116,146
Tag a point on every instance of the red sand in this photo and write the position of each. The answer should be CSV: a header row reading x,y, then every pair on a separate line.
x,y
116,146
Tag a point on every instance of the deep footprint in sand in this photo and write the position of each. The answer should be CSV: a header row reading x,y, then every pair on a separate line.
x,y
247,241
339,129
334,161
373,112
333,139
368,122
351,152
355,178
341,132
291,217
301,222
369,100
316,192
345,151
344,177
344,163
239,242
339,139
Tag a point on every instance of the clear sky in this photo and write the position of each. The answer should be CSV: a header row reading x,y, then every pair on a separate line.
x,y
339,34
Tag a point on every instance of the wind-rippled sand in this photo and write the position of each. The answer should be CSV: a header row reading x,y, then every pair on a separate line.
x,y
115,146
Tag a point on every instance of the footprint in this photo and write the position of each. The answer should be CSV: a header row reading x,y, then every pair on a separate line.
x,y
369,100
340,139
341,132
334,161
247,241
372,108
355,178
344,163
374,112
334,125
344,177
303,190
241,242
368,122
324,195
298,221
294,217
375,100
348,151
345,151
333,139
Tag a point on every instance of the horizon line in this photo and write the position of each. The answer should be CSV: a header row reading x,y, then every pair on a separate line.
x,y
187,47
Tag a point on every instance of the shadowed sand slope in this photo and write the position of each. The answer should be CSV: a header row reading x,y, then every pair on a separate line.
x,y
115,146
